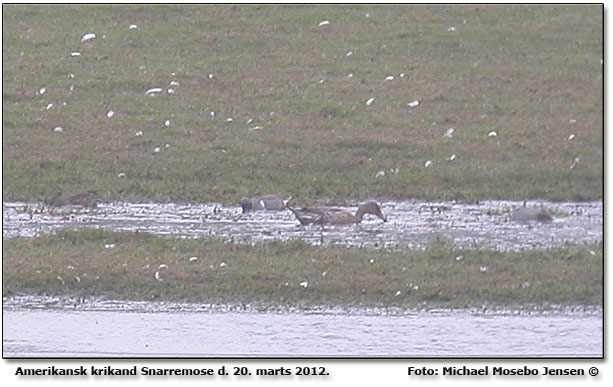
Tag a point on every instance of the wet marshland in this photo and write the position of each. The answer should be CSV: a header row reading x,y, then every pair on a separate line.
x,y
411,224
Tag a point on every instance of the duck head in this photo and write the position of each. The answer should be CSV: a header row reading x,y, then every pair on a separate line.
x,y
370,208
245,204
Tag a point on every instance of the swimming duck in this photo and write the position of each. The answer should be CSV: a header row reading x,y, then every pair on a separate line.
x,y
329,215
266,202
85,199
530,214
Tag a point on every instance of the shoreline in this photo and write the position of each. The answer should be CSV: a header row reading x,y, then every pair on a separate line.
x,y
21,302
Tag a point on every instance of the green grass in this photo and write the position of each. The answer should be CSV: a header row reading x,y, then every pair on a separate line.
x,y
270,275
524,71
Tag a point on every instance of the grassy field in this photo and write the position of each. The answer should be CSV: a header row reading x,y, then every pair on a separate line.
x,y
276,275
270,101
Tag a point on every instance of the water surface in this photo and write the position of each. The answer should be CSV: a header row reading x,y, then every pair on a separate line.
x,y
46,328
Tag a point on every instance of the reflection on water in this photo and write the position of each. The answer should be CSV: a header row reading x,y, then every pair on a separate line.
x,y
411,224
115,329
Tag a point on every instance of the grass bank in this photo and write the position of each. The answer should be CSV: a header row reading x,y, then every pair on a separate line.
x,y
294,274
262,98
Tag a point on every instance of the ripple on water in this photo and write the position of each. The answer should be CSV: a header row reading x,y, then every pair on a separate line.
x,y
411,224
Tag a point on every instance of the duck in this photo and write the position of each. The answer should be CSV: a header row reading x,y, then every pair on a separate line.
x,y
331,215
84,199
525,214
266,202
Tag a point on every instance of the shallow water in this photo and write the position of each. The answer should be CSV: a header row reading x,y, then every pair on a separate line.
x,y
412,224
48,328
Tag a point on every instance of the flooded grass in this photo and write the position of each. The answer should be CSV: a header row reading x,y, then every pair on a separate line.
x,y
412,225
278,102
137,266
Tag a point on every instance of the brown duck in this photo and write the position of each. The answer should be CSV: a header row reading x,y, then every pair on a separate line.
x,y
329,215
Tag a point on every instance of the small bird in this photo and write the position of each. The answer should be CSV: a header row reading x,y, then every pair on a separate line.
x,y
266,202
329,215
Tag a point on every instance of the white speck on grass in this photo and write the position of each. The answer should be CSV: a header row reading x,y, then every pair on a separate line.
x,y
41,91
451,29
349,53
415,288
571,137
304,284
575,161
459,258
229,119
109,246
157,276
170,91
133,26
210,75
324,23
76,53
88,36
121,174
153,91
193,259
413,104
449,132
212,114
483,269
401,75
451,158
249,121
389,78
371,260
572,121
163,266
492,134
58,129
49,106
380,174
370,101
166,145
174,83
321,80
428,163
398,293
139,133
167,123
156,149
110,114
325,272
350,76
223,264
257,127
